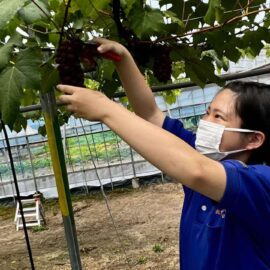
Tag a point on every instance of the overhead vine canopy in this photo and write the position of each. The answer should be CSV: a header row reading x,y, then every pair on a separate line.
x,y
168,38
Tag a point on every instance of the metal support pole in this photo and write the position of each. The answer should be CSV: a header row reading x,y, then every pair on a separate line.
x,y
11,182
57,154
82,160
107,157
132,162
32,164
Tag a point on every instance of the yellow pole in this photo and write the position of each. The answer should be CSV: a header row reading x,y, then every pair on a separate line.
x,y
48,104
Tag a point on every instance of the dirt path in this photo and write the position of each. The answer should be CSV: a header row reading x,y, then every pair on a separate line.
x,y
147,219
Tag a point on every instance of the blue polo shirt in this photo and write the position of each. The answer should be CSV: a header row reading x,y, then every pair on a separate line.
x,y
233,234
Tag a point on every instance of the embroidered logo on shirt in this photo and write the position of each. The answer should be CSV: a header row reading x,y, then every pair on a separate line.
x,y
221,212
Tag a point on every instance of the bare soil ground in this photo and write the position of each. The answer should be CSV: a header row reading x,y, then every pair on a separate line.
x,y
147,219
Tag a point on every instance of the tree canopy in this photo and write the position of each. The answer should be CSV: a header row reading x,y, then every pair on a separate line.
x,y
169,40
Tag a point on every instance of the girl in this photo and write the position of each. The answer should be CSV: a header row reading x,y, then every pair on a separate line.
x,y
224,170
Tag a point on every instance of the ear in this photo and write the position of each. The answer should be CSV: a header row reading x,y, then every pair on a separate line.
x,y
255,140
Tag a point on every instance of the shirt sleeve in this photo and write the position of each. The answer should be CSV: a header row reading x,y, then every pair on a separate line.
x,y
247,196
176,127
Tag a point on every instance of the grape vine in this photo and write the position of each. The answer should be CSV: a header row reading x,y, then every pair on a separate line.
x,y
197,33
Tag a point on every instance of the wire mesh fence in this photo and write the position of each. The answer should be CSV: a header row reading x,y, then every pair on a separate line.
x,y
92,150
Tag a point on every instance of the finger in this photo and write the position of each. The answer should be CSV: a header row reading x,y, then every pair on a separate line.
x,y
67,89
65,99
100,40
70,108
103,48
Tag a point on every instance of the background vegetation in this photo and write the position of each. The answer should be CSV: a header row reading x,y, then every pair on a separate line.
x,y
197,38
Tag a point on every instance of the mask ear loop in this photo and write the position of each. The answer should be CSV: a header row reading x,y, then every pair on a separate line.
x,y
237,130
240,130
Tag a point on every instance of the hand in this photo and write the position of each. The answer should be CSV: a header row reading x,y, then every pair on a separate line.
x,y
107,45
84,103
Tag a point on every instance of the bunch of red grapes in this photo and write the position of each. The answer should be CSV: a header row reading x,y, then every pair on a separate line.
x,y
74,58
162,67
160,53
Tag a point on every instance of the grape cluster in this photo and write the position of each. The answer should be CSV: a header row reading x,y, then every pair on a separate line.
x,y
87,54
141,53
68,60
162,66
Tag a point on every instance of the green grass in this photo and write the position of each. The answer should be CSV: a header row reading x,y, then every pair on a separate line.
x,y
7,212
40,228
157,248
141,260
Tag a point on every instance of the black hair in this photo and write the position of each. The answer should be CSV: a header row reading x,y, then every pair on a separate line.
x,y
252,105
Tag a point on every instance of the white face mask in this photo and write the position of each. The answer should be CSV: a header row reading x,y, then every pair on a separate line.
x,y
208,139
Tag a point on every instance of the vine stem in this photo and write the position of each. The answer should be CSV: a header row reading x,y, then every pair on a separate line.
x,y
38,31
64,22
208,29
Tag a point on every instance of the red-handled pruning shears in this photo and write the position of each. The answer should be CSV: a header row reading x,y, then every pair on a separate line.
x,y
112,56
92,46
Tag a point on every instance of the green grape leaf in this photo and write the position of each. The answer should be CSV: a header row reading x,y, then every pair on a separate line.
x,y
24,73
184,52
127,5
221,63
20,123
144,21
29,97
108,77
54,4
194,76
201,71
5,52
174,19
8,9
230,5
11,92
42,130
178,68
28,63
107,68
31,13
253,41
171,96
231,52
267,52
109,87
217,39
267,20
49,78
90,9
6,49
214,12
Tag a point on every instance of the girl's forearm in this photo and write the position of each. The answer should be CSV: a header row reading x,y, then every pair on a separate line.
x,y
138,91
163,149
167,152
